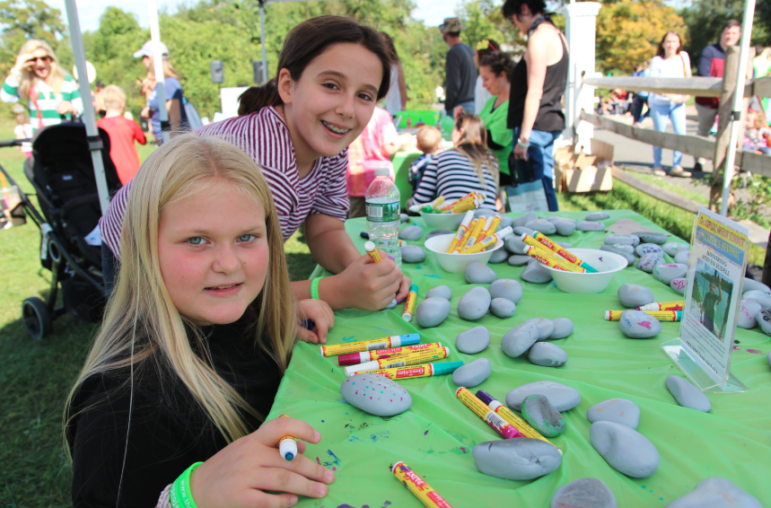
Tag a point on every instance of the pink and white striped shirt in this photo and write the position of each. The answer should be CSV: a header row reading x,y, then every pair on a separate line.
x,y
264,136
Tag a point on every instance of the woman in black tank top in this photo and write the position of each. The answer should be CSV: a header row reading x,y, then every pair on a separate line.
x,y
537,87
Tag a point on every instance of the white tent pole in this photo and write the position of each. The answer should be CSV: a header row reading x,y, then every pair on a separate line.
x,y
160,78
738,105
94,141
262,42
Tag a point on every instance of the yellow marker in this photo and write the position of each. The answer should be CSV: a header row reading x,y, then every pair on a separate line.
x,y
370,345
461,230
487,415
559,250
372,251
545,258
422,370
472,204
449,205
416,358
661,315
663,306
418,486
466,236
511,417
475,234
491,240
409,307
287,446
491,228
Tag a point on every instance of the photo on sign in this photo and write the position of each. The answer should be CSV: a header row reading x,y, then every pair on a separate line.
x,y
711,295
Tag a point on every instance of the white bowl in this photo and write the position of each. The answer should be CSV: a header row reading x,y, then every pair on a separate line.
x,y
448,221
606,263
457,263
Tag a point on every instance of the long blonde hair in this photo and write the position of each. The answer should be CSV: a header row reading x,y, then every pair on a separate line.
x,y
55,77
168,70
142,328
473,144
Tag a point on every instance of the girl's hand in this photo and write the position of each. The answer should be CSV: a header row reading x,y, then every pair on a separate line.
x,y
364,284
65,107
24,62
520,152
239,474
145,113
321,314
457,112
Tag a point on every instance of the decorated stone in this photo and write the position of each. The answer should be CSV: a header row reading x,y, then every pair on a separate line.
x,y
472,374
441,292
625,248
499,256
411,233
620,411
473,341
563,327
518,340
687,395
650,261
536,274
624,449
413,254
479,273
636,324
565,228
632,240
520,259
376,395
657,238
764,320
633,295
506,288
682,257
615,249
523,230
542,226
390,305
523,219
516,459
403,217
666,272
432,312
672,248
752,284
515,245
438,232
597,216
541,415
502,308
585,225
679,285
547,354
747,312
716,492
505,222
474,304
563,398
755,294
584,493
647,248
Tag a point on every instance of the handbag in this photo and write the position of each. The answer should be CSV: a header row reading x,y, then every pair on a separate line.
x,y
525,194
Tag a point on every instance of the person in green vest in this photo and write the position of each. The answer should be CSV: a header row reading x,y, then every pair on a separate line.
x,y
51,94
494,69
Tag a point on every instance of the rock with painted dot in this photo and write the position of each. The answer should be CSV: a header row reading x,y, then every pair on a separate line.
x,y
563,398
411,233
752,284
754,294
519,259
506,288
648,248
648,262
563,328
636,324
536,273
673,248
524,219
432,312
376,395
542,416
440,292
547,354
499,256
679,285
716,492
584,493
472,374
523,230
515,245
687,395
542,226
438,232
615,249
621,411
413,254
403,217
632,240
650,237
624,449
634,295
597,216
565,228
473,341
666,272
518,340
505,222
764,320
474,304
516,459
586,225
502,308
479,273
747,312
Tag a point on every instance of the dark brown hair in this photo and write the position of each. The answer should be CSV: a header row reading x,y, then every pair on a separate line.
x,y
308,40
661,51
389,42
498,62
731,23
514,7
492,47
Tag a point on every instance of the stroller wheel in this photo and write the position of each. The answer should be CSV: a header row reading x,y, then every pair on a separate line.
x,y
37,317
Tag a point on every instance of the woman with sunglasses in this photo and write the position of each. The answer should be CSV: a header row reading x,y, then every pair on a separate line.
x,y
52,95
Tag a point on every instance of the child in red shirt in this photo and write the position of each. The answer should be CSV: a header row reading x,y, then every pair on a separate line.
x,y
122,132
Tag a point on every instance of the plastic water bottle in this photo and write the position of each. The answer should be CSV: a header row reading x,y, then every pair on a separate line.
x,y
382,201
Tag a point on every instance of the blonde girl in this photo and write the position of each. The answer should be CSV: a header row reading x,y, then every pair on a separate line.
x,y
51,94
195,339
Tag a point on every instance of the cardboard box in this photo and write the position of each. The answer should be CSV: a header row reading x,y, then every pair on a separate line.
x,y
579,172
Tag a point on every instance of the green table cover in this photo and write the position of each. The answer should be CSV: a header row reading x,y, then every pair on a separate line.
x,y
436,435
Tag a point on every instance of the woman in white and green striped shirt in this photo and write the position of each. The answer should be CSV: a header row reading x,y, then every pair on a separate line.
x,y
37,78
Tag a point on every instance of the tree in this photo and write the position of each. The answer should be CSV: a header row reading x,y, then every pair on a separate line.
x,y
22,20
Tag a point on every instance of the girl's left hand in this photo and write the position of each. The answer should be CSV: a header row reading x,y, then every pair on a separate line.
x,y
64,107
520,152
321,314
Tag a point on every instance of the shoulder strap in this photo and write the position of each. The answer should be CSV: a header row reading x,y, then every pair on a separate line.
x,y
33,93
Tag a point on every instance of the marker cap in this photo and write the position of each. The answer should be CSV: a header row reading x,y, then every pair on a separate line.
x,y
484,396
369,246
352,358
407,340
414,288
352,369
446,367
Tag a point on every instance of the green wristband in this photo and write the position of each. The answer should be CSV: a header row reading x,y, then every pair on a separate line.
x,y
181,495
315,289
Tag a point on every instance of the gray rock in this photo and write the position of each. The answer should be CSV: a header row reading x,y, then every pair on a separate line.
x,y
633,296
432,312
563,328
672,248
682,257
523,219
440,292
547,354
438,232
597,216
754,294
649,261
632,240
636,324
499,256
523,230
505,222
519,259
764,320
687,395
515,245
584,493
472,374
679,285
413,254
566,245
620,411
506,288
545,326
647,248
536,274
665,272
624,449
747,312
474,304
479,273
376,395
483,212
565,228
390,305
502,308
519,339
543,226
473,341
404,217
585,225
516,459
563,398
615,249
716,492
657,238
625,248
411,233
542,416
769,358
555,220
752,284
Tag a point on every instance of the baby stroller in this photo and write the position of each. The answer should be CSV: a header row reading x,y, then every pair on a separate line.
x,y
62,174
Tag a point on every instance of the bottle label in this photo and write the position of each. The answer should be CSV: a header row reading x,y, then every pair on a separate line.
x,y
383,212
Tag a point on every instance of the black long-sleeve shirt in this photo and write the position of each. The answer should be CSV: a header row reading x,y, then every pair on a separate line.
x,y
461,75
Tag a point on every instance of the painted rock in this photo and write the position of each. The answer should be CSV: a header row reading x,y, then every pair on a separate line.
x,y
716,492
523,230
472,374
536,274
632,240
519,259
404,217
687,395
615,249
432,312
473,341
505,222
563,327
545,326
620,411
764,320
597,216
411,233
547,354
764,303
647,248
542,226
506,288
515,245
625,248
682,257
650,261
376,395
747,312
584,493
648,237
755,294
632,295
672,248
555,220
502,308
585,225
542,416
479,273
563,398
438,232
565,228
679,285
390,305
499,256
566,245
518,340
665,272
413,254
516,459
752,284
624,449
440,292
524,219
636,324
474,304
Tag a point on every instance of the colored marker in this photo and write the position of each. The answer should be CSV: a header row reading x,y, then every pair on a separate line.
x,y
490,240
372,251
418,486
287,446
466,205
372,344
409,307
663,306
474,234
399,361
466,236
367,356
449,205
461,230
491,228
561,251
543,257
424,370
483,411
661,315
511,417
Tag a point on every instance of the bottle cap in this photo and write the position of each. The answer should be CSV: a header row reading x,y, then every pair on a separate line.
x,y
446,367
382,172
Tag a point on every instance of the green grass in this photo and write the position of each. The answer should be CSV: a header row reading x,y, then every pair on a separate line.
x,y
681,191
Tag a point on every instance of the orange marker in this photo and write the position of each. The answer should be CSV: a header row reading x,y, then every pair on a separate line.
x,y
372,251
466,236
418,486
551,261
461,230
491,228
